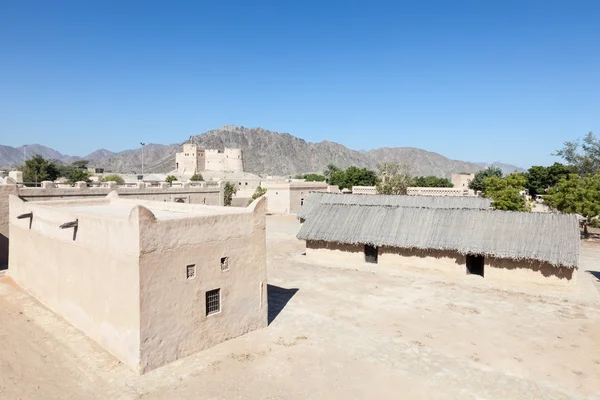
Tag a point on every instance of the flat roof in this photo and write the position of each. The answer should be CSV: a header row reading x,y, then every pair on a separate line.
x,y
161,210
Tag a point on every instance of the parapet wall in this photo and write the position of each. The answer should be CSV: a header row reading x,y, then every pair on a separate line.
x,y
433,191
364,190
198,193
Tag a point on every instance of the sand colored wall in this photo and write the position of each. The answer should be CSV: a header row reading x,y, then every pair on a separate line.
x,y
446,261
335,252
462,180
433,191
233,160
286,197
193,194
187,160
530,271
5,192
92,281
194,159
364,190
301,191
173,318
449,262
278,198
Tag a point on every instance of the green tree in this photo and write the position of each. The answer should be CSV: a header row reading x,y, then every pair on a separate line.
x,y
338,178
314,178
114,178
576,194
300,176
259,191
228,192
197,178
329,171
360,177
353,176
170,179
81,164
78,175
38,169
478,182
394,178
582,154
539,178
432,181
505,192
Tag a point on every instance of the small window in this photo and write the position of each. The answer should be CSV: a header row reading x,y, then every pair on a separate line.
x,y
191,271
301,202
224,263
246,183
213,301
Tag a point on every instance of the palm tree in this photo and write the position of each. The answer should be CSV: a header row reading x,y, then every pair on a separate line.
x,y
330,170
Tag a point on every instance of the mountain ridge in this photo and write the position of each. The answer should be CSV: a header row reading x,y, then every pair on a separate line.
x,y
265,152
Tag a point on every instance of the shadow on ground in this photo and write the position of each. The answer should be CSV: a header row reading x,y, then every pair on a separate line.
x,y
596,274
277,299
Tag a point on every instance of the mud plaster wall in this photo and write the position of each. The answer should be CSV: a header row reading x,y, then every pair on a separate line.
x,y
299,193
278,199
195,195
91,282
447,261
335,252
5,191
173,311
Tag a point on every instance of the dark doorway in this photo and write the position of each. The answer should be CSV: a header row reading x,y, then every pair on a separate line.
x,y
370,254
475,264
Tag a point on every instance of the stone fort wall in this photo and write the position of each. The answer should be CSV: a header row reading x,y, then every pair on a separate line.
x,y
194,159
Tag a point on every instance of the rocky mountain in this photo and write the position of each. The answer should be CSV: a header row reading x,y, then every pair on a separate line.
x,y
265,152
99,155
14,155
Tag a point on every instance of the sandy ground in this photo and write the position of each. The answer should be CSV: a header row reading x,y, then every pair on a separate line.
x,y
339,332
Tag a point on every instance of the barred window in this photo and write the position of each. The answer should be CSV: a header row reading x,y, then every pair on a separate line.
x,y
191,271
213,301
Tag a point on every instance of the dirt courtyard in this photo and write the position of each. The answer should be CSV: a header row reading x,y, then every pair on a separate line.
x,y
339,332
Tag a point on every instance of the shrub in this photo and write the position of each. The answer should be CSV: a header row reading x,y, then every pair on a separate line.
x,y
170,179
197,178
114,178
257,193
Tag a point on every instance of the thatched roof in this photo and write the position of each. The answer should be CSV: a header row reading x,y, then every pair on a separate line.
x,y
317,198
553,238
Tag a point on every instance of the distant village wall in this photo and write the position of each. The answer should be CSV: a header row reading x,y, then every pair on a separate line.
x,y
435,191
364,190
289,197
198,193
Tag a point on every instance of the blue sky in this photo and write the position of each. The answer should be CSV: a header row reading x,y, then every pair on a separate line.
x,y
472,80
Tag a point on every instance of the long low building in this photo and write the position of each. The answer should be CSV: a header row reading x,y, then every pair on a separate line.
x,y
493,244
445,202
